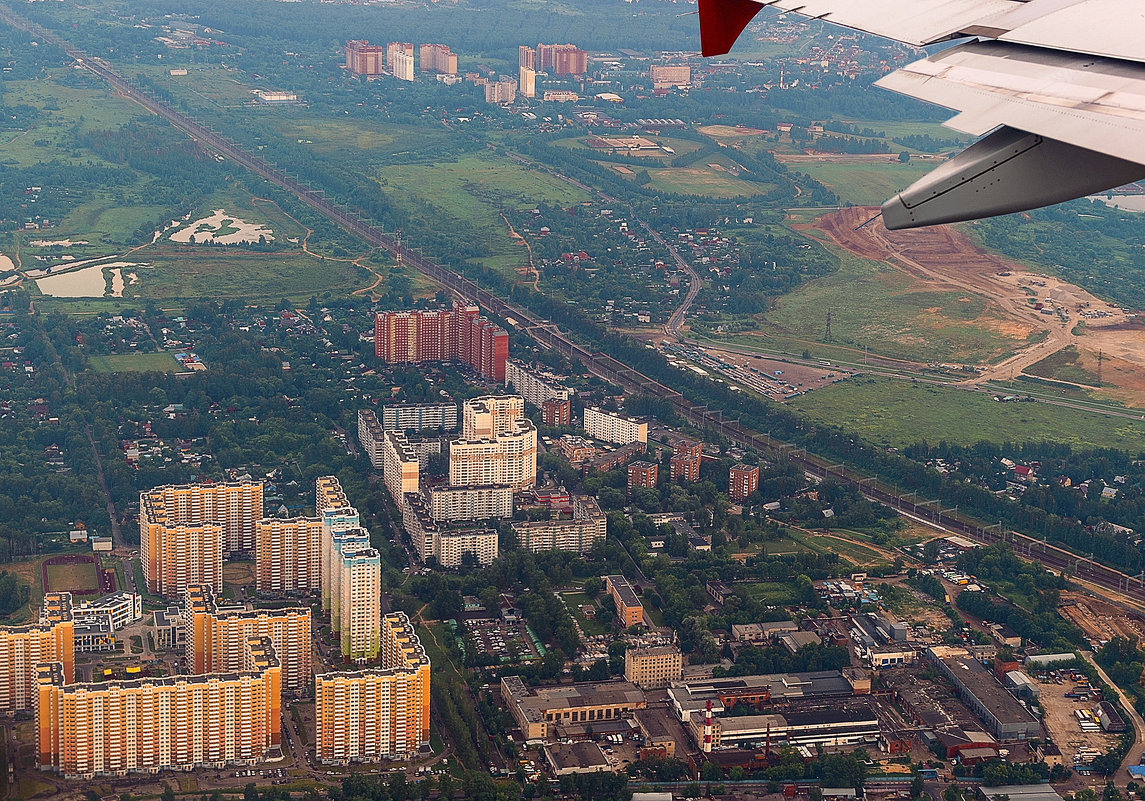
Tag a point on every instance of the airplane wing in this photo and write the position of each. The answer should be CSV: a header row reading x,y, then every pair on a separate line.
x,y
1055,87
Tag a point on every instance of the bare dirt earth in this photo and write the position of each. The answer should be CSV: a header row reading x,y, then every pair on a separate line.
x,y
1099,620
947,258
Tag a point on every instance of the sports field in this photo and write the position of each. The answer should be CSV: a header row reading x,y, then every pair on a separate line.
x,y
73,577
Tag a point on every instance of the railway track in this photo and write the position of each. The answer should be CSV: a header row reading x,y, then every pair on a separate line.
x,y
600,364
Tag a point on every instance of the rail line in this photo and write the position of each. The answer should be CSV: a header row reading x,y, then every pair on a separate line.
x,y
600,364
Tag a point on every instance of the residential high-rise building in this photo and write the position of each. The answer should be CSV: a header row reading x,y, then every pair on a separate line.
x,y
665,76
532,385
360,609
502,92
175,557
288,556
328,494
363,58
368,715
642,474
185,530
22,648
400,466
686,458
457,334
216,636
147,725
438,58
584,532
556,412
419,417
470,502
610,427
399,60
403,66
491,416
447,546
333,542
370,434
510,458
561,59
743,480
526,57
527,82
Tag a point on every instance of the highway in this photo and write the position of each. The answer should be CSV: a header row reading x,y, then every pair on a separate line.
x,y
1117,584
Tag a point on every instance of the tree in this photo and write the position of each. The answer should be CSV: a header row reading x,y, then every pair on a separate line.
x,y
904,157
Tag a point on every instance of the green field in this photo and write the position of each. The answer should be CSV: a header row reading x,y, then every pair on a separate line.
x,y
864,184
471,190
590,625
64,110
81,576
770,592
705,180
898,413
875,305
162,362
843,543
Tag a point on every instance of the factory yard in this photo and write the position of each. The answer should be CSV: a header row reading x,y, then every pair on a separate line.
x,y
1062,723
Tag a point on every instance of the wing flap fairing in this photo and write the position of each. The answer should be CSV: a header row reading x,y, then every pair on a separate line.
x,y
1008,171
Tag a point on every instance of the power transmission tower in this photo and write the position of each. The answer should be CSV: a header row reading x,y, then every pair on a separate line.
x,y
1100,359
827,333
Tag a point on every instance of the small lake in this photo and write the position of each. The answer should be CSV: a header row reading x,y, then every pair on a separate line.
x,y
86,283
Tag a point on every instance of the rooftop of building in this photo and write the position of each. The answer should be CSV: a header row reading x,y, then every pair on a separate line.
x,y
200,599
575,696
750,630
113,599
168,617
651,651
97,623
401,444
623,589
693,694
260,651
584,755
57,606
970,673
654,724
403,406
1020,792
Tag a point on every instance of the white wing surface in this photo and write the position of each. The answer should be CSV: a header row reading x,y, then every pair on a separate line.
x,y
1056,86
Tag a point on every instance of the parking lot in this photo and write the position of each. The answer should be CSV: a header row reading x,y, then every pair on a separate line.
x,y
505,642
